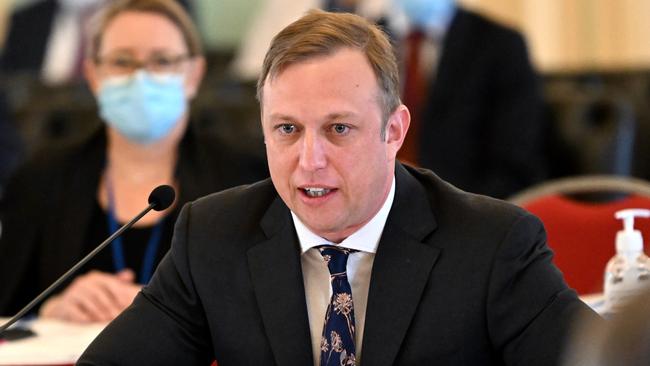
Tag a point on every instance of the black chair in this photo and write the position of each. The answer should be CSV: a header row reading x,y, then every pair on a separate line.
x,y
591,132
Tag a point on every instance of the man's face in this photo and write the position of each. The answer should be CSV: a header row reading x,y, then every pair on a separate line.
x,y
322,127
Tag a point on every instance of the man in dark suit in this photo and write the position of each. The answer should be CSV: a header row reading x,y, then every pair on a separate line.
x,y
478,117
53,31
36,29
11,146
434,275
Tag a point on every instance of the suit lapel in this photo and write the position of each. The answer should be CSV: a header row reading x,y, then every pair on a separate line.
x,y
276,273
400,272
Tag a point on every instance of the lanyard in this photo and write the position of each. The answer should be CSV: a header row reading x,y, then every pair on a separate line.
x,y
119,262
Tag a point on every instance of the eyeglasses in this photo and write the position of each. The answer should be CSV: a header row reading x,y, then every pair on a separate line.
x,y
125,65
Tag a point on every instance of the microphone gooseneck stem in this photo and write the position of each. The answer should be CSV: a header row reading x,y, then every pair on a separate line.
x,y
74,269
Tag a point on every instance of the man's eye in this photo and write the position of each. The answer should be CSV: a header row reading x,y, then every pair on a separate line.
x,y
287,128
340,128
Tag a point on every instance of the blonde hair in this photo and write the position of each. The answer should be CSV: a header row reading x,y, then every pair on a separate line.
x,y
169,9
321,33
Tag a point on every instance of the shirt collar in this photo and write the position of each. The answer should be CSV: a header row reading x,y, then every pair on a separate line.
x,y
366,239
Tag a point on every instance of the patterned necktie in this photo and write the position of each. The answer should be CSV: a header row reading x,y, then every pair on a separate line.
x,y
337,342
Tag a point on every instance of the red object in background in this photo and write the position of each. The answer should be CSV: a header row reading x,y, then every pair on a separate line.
x,y
583,235
413,96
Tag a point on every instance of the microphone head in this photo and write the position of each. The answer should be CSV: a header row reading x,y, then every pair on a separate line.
x,y
162,197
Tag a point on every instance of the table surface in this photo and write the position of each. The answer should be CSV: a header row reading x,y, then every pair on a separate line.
x,y
61,343
55,343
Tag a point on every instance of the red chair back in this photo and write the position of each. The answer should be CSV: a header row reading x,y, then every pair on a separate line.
x,y
583,235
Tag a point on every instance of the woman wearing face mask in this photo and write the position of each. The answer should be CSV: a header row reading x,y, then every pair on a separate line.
x,y
144,64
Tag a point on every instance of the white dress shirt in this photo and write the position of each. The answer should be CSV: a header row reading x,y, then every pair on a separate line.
x,y
316,275
64,46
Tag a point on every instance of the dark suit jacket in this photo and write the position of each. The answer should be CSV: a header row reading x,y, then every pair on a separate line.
x,y
481,125
458,279
27,37
49,202
11,145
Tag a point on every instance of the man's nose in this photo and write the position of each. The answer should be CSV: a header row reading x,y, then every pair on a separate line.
x,y
312,154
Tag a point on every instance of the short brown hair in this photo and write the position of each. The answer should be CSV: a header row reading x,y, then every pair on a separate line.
x,y
169,9
320,33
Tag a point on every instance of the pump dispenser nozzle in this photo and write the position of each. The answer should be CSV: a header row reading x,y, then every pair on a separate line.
x,y
628,240
628,216
629,270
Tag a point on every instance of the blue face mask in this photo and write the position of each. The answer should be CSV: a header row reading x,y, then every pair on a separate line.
x,y
142,107
427,14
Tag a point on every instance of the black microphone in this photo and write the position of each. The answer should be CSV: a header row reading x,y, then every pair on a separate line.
x,y
160,198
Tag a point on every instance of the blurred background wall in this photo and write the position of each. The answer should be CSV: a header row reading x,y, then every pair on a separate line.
x,y
563,35
4,13
573,35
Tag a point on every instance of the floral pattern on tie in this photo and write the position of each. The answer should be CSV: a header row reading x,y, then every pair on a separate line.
x,y
337,342
343,303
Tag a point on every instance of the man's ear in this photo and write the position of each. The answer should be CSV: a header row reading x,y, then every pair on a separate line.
x,y
396,129
194,76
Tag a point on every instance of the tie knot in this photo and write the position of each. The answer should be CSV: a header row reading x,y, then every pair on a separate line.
x,y
335,257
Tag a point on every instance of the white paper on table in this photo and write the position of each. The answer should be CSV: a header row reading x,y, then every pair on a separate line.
x,y
56,342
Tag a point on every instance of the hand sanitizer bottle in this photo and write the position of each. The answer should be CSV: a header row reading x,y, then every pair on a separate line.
x,y
629,270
